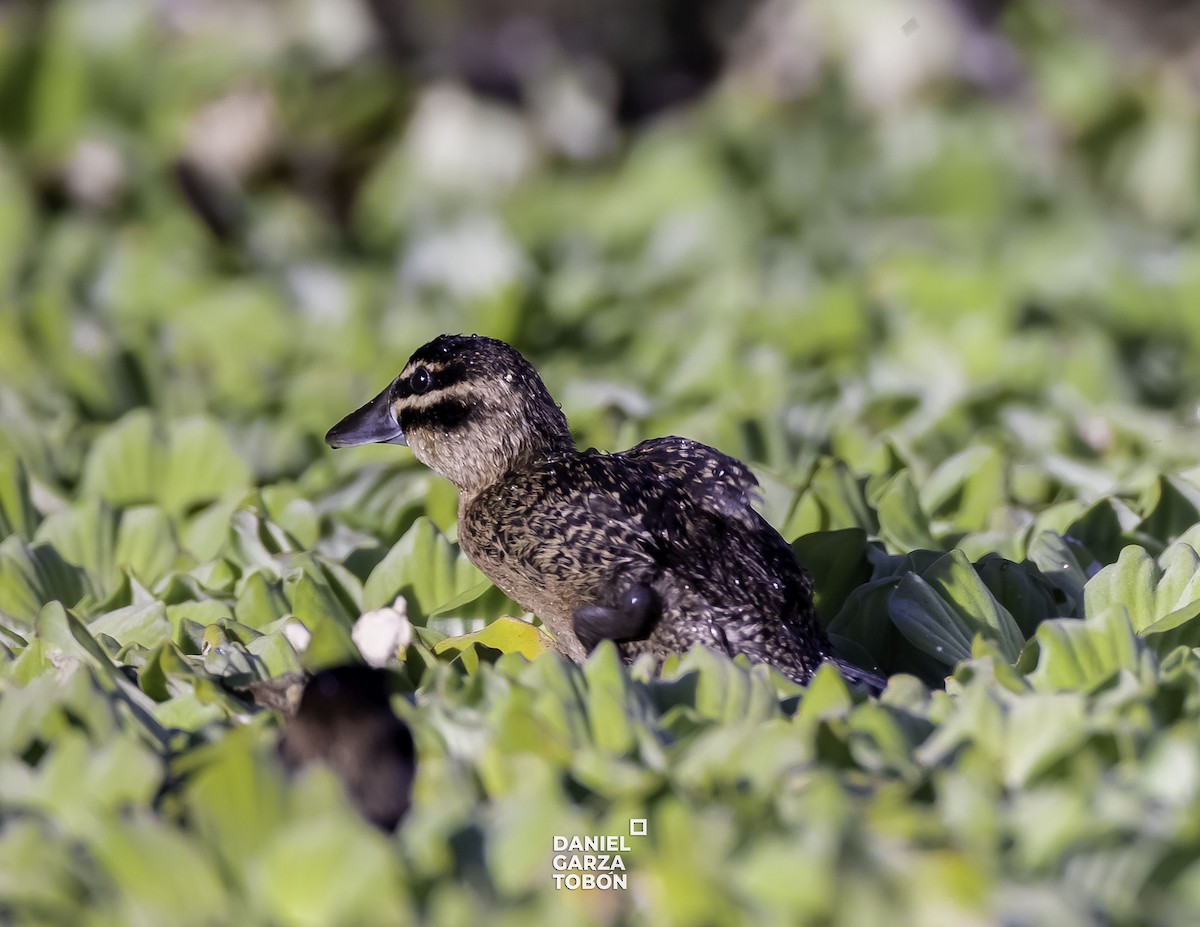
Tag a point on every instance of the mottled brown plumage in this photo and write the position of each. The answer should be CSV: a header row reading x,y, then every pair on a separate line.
x,y
657,547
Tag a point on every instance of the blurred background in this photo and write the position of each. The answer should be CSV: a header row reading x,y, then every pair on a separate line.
x,y
930,267
787,227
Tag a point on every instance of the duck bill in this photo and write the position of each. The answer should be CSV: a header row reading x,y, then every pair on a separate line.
x,y
374,423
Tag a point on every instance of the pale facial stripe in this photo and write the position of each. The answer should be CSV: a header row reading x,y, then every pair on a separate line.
x,y
461,391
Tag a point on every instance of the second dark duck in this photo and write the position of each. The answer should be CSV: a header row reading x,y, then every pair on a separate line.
x,y
344,720
657,548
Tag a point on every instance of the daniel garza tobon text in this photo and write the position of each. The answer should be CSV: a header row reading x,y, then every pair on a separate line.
x,y
590,862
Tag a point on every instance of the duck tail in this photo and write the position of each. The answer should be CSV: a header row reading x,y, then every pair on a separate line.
x,y
873,682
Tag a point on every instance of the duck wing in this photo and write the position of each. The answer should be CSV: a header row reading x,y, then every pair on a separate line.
x,y
667,506
671,514
714,480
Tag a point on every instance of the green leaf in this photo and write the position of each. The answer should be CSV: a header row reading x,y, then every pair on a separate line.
x,y
724,689
508,635
837,561
1081,655
295,514
187,463
60,88
276,652
120,772
1181,628
328,870
788,876
941,610
609,700
1022,590
614,777
320,611
865,619
59,629
236,803
878,741
1148,590
1172,506
126,462
522,828
834,499
930,623
826,697
1100,529
104,541
429,572
33,575
36,870
17,234
153,865
1179,584
85,535
260,600
955,580
145,544
1059,560
903,524
967,488
204,534
189,712
1040,730
17,514
138,624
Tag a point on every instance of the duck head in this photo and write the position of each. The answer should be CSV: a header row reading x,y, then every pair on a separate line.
x,y
471,408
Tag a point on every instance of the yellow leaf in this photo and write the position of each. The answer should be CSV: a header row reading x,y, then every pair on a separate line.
x,y
508,635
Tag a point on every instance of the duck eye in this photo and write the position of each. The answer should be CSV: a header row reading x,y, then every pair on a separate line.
x,y
420,380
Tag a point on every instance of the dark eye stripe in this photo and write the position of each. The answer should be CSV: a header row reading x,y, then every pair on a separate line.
x,y
448,414
448,376
439,379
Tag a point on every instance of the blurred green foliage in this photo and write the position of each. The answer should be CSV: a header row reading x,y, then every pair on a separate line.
x,y
952,327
